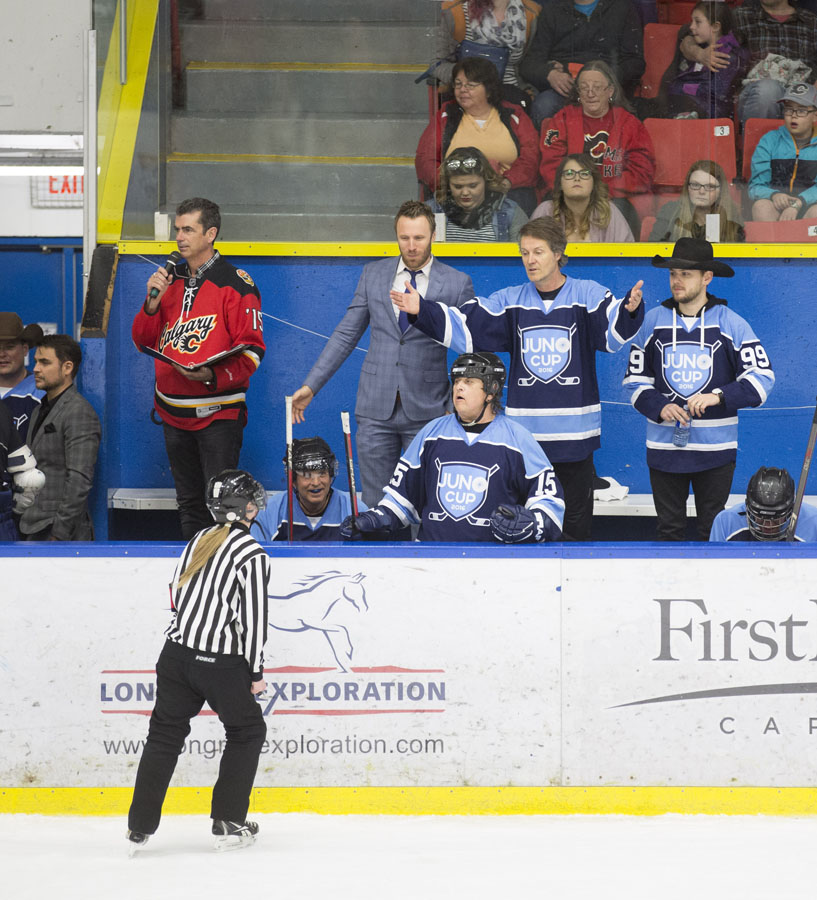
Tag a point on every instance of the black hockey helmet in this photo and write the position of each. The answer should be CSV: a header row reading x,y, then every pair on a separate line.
x,y
488,367
769,503
229,492
313,455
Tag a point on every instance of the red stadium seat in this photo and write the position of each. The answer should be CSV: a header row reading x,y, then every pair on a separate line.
x,y
659,50
680,13
679,142
753,131
797,231
647,224
674,12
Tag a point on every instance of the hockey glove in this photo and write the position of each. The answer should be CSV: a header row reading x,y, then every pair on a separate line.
x,y
375,519
27,484
517,525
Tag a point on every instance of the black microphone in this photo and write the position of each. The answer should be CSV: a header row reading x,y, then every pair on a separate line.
x,y
174,257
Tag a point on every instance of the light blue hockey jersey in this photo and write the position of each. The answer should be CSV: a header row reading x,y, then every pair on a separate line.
x,y
552,386
21,401
731,525
672,358
272,524
451,481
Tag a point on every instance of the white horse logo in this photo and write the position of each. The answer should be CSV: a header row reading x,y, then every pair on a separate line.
x,y
318,606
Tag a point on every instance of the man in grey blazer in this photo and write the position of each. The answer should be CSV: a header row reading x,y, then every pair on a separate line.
x,y
66,432
404,378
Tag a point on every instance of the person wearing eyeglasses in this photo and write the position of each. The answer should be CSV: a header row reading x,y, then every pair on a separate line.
x,y
473,197
581,202
705,192
571,32
783,185
479,117
600,123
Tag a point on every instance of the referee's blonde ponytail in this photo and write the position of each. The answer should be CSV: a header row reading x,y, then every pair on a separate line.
x,y
203,552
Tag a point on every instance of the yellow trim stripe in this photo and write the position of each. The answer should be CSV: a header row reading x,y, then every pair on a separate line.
x,y
275,157
200,66
389,248
120,109
416,801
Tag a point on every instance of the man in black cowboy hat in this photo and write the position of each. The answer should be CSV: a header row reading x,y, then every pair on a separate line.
x,y
17,389
693,364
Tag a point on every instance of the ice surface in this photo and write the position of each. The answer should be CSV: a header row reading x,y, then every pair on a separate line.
x,y
307,856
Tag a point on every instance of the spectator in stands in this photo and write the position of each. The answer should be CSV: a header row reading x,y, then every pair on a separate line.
x,y
17,388
505,24
690,89
782,43
64,438
784,165
705,192
581,202
603,127
572,32
479,117
766,513
472,196
317,507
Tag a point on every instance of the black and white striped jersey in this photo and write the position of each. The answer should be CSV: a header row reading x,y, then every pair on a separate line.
x,y
223,608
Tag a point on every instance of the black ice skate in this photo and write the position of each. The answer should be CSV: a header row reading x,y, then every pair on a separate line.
x,y
234,835
136,841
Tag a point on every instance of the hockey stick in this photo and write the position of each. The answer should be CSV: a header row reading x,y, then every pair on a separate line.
x,y
290,514
801,484
350,460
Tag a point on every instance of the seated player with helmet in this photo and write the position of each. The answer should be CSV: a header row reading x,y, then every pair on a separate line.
x,y
318,509
472,476
766,513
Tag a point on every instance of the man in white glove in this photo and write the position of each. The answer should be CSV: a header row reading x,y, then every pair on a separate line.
x,y
20,479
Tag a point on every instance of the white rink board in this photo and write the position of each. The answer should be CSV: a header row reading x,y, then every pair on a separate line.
x,y
754,721
453,678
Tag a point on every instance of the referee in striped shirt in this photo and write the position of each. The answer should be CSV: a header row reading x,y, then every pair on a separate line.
x,y
213,653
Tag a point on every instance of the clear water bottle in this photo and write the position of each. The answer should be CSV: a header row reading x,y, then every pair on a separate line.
x,y
680,434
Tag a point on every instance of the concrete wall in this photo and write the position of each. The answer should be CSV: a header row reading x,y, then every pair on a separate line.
x,y
42,65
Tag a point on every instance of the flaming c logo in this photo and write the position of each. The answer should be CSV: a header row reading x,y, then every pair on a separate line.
x,y
187,336
596,144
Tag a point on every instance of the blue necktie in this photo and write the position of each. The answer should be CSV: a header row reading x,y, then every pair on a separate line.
x,y
402,319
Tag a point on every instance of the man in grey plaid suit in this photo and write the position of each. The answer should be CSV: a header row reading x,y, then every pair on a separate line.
x,y
404,378
66,432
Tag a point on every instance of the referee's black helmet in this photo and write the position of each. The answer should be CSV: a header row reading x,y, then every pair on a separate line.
x,y
229,493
